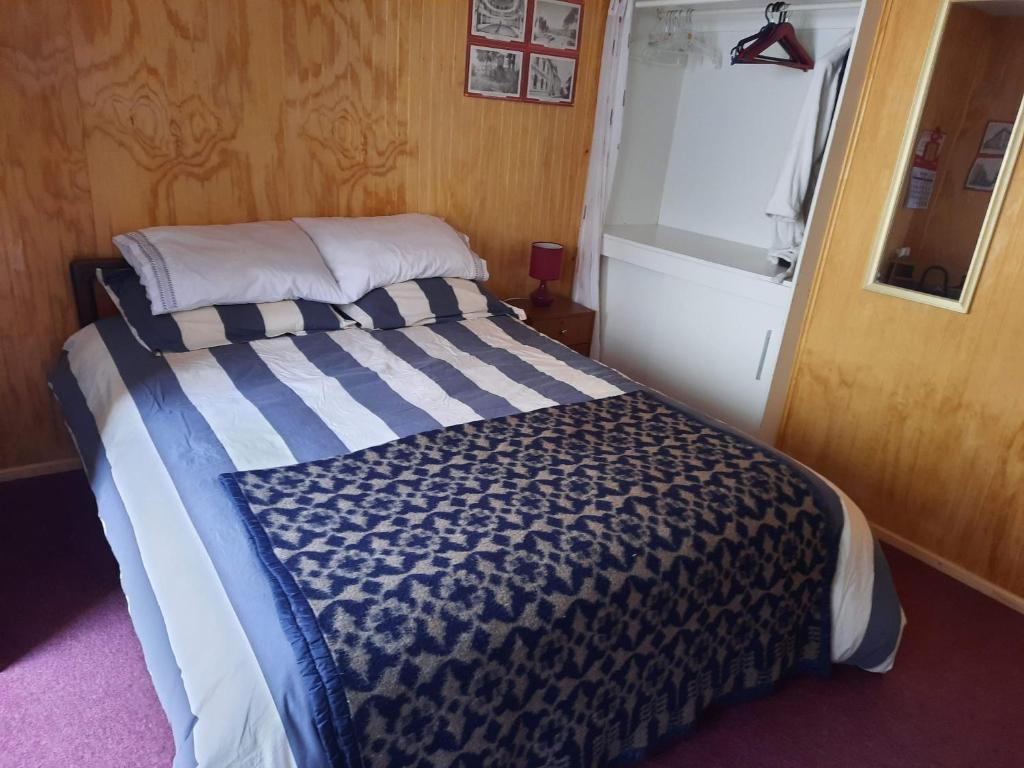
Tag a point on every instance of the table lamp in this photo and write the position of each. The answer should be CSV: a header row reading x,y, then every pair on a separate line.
x,y
545,264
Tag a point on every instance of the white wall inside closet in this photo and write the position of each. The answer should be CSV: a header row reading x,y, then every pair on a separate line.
x,y
689,302
732,130
702,147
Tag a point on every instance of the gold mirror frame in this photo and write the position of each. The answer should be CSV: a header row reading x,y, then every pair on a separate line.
x,y
988,226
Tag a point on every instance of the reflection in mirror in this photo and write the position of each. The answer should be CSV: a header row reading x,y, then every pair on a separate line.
x,y
950,185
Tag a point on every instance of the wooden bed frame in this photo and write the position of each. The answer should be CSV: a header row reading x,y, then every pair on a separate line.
x,y
91,301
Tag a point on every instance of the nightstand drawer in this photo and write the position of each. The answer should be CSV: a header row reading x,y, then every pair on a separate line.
x,y
570,330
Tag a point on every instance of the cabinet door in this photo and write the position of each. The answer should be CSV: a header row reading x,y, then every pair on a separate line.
x,y
708,348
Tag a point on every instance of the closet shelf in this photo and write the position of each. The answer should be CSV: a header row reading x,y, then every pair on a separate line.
x,y
722,264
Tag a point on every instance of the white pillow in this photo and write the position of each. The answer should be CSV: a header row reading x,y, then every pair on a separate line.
x,y
189,267
371,252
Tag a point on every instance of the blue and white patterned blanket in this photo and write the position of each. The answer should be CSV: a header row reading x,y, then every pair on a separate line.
x,y
562,587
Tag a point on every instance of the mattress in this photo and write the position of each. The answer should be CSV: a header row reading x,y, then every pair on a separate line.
x,y
156,432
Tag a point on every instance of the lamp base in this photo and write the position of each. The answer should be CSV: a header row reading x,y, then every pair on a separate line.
x,y
541,297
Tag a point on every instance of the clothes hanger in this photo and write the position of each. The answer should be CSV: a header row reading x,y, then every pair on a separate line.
x,y
698,47
750,50
678,43
662,47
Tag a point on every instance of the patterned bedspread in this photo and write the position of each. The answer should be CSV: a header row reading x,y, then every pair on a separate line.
x,y
561,587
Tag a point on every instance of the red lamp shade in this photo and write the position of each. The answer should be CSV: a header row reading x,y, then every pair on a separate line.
x,y
545,264
546,261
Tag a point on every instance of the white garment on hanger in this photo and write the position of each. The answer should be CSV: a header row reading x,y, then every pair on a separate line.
x,y
793,191
604,154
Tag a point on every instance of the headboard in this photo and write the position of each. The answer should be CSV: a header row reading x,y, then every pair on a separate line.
x,y
91,300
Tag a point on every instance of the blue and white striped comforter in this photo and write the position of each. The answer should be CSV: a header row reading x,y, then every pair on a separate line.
x,y
156,432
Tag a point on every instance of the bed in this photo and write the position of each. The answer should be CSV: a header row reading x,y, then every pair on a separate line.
x,y
161,438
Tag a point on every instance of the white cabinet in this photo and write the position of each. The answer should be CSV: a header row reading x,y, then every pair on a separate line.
x,y
704,329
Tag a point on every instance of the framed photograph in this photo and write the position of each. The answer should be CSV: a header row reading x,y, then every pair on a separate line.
x,y
494,72
499,20
551,78
984,173
524,50
556,24
996,139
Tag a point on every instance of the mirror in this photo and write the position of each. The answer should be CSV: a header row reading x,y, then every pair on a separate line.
x,y
957,157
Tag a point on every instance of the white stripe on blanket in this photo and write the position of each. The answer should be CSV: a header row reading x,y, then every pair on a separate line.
x,y
354,424
411,385
242,429
484,375
589,385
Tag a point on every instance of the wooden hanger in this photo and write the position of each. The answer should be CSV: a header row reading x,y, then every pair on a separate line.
x,y
750,50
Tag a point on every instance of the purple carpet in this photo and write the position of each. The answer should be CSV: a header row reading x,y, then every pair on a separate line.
x,y
74,690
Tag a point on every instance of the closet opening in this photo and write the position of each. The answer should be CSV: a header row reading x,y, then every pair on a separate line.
x,y
724,180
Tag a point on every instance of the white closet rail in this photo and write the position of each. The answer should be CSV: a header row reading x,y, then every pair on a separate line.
x,y
708,6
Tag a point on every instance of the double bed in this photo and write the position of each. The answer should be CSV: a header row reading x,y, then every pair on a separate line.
x,y
165,438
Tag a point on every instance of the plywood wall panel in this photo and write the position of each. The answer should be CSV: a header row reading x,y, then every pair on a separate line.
x,y
120,114
44,213
917,412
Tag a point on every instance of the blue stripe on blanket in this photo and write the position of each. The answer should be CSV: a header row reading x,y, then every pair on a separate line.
x,y
495,306
159,332
305,434
382,309
168,413
441,298
526,335
448,377
242,322
509,364
318,316
145,613
365,385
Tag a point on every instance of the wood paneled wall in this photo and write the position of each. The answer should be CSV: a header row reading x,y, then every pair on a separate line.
x,y
118,114
917,412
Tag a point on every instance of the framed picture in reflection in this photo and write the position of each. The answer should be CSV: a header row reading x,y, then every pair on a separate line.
x,y
984,173
996,140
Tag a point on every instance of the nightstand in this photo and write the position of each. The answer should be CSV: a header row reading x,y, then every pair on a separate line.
x,y
564,321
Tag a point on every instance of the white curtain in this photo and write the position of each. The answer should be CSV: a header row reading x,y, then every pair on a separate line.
x,y
604,152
